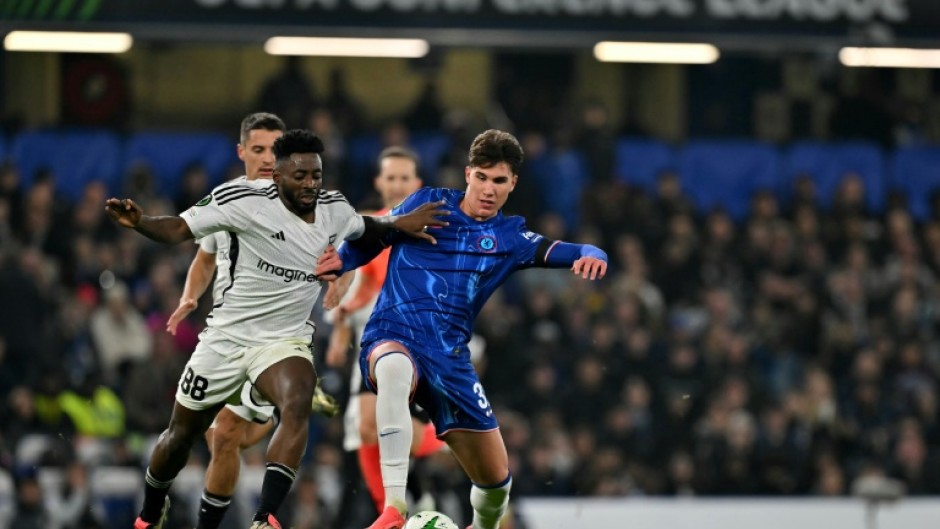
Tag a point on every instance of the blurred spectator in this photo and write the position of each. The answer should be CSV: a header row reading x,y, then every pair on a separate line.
x,y
288,94
426,113
323,124
150,390
30,511
193,187
45,224
120,334
11,193
94,409
595,139
71,506
345,111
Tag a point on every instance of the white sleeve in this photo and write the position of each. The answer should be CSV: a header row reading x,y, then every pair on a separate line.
x,y
351,222
209,244
225,209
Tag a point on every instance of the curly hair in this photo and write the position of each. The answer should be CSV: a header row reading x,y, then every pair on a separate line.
x,y
297,141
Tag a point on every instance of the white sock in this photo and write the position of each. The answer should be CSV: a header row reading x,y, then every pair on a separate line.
x,y
393,375
489,504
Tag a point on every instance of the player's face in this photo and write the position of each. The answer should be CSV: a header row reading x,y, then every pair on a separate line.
x,y
397,178
487,190
299,180
258,153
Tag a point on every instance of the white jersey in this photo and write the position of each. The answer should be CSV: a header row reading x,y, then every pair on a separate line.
x,y
271,287
218,244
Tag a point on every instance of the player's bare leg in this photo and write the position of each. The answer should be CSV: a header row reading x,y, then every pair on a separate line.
x,y
255,432
289,385
224,439
169,456
227,437
483,457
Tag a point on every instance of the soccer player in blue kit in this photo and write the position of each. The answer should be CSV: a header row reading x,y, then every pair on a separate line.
x,y
415,344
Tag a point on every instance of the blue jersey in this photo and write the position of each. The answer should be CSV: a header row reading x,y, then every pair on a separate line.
x,y
433,293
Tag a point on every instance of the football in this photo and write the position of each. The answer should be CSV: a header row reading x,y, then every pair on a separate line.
x,y
430,520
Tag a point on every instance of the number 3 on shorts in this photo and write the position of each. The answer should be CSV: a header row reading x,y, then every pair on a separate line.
x,y
194,385
482,402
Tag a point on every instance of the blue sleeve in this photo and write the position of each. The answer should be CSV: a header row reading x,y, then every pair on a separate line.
x,y
354,256
563,254
535,250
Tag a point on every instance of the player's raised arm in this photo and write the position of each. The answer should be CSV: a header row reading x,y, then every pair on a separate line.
x,y
535,250
586,260
357,252
165,229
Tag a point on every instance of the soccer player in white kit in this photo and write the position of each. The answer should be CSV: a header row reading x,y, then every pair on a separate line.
x,y
237,426
259,330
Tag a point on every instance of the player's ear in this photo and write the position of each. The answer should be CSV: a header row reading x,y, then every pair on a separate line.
x,y
515,180
466,174
240,149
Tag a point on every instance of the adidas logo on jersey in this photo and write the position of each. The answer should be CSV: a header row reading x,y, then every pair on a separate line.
x,y
279,236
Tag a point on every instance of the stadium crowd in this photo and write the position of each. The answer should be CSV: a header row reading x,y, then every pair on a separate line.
x,y
786,353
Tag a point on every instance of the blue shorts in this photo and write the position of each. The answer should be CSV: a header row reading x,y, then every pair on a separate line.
x,y
448,388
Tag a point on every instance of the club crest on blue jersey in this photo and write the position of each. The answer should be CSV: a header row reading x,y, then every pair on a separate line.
x,y
487,243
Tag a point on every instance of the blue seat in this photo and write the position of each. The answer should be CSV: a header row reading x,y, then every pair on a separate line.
x,y
117,490
916,172
564,175
431,149
828,164
75,158
639,162
169,154
726,174
362,152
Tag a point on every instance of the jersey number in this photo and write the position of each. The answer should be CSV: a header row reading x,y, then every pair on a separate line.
x,y
482,402
194,385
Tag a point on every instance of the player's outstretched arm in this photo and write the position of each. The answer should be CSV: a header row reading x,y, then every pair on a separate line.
x,y
415,224
198,278
357,252
417,221
127,213
586,260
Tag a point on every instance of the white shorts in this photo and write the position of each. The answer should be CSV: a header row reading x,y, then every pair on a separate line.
x,y
252,406
219,367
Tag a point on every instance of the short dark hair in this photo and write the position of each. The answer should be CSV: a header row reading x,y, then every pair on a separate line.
x,y
295,141
398,152
496,146
260,121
